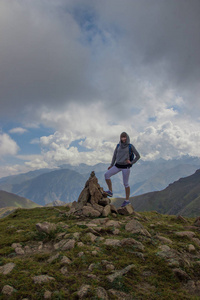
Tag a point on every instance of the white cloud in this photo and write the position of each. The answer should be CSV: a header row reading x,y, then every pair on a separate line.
x,y
7,145
18,130
92,69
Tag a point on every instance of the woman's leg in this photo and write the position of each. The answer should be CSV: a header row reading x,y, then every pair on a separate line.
x,y
112,171
126,174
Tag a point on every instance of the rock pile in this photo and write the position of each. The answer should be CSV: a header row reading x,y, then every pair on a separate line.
x,y
93,202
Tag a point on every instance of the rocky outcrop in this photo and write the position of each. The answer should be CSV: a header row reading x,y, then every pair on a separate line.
x,y
93,202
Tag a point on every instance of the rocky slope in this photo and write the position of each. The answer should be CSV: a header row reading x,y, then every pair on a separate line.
x,y
60,253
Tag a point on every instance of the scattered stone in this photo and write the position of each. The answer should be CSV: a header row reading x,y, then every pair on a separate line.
x,y
127,210
171,256
182,219
46,227
164,239
191,248
6,269
182,275
27,249
197,222
112,242
65,245
136,227
83,291
120,295
116,231
64,270
113,209
110,267
91,236
106,211
91,267
101,293
94,252
19,251
15,245
80,244
47,295
42,279
90,212
189,234
93,276
98,207
40,245
104,201
124,271
132,242
80,254
65,260
113,223
76,235
7,290
52,258
197,241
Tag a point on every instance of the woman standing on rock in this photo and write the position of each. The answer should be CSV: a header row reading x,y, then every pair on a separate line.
x,y
123,159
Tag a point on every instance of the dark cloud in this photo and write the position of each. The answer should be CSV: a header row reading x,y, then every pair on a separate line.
x,y
57,52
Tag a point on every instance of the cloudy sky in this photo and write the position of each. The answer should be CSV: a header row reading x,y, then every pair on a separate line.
x,y
74,74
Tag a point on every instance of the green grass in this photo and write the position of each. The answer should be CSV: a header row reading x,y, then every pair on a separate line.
x,y
151,277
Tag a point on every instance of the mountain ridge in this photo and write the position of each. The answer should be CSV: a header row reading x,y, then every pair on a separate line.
x,y
181,197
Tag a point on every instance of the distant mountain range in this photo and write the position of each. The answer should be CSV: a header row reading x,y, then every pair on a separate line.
x,y
66,182
180,198
10,201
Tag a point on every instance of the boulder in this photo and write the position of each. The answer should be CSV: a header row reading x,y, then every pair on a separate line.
x,y
127,210
42,279
189,234
7,290
6,269
164,239
90,212
101,293
83,291
182,275
106,211
112,242
120,295
136,227
46,227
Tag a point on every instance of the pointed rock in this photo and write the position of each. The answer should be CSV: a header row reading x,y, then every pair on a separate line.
x,y
106,211
136,227
127,210
124,271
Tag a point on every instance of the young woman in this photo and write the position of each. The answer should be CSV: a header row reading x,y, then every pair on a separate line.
x,y
121,162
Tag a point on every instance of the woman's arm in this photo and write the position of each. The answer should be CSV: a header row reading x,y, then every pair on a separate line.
x,y
137,155
114,157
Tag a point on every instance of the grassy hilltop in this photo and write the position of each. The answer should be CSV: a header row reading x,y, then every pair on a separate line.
x,y
140,256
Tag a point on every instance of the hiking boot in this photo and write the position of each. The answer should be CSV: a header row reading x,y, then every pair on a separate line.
x,y
125,203
109,193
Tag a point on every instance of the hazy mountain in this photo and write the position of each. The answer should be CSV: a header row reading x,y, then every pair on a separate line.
x,y
182,197
10,199
63,185
6,183
45,185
